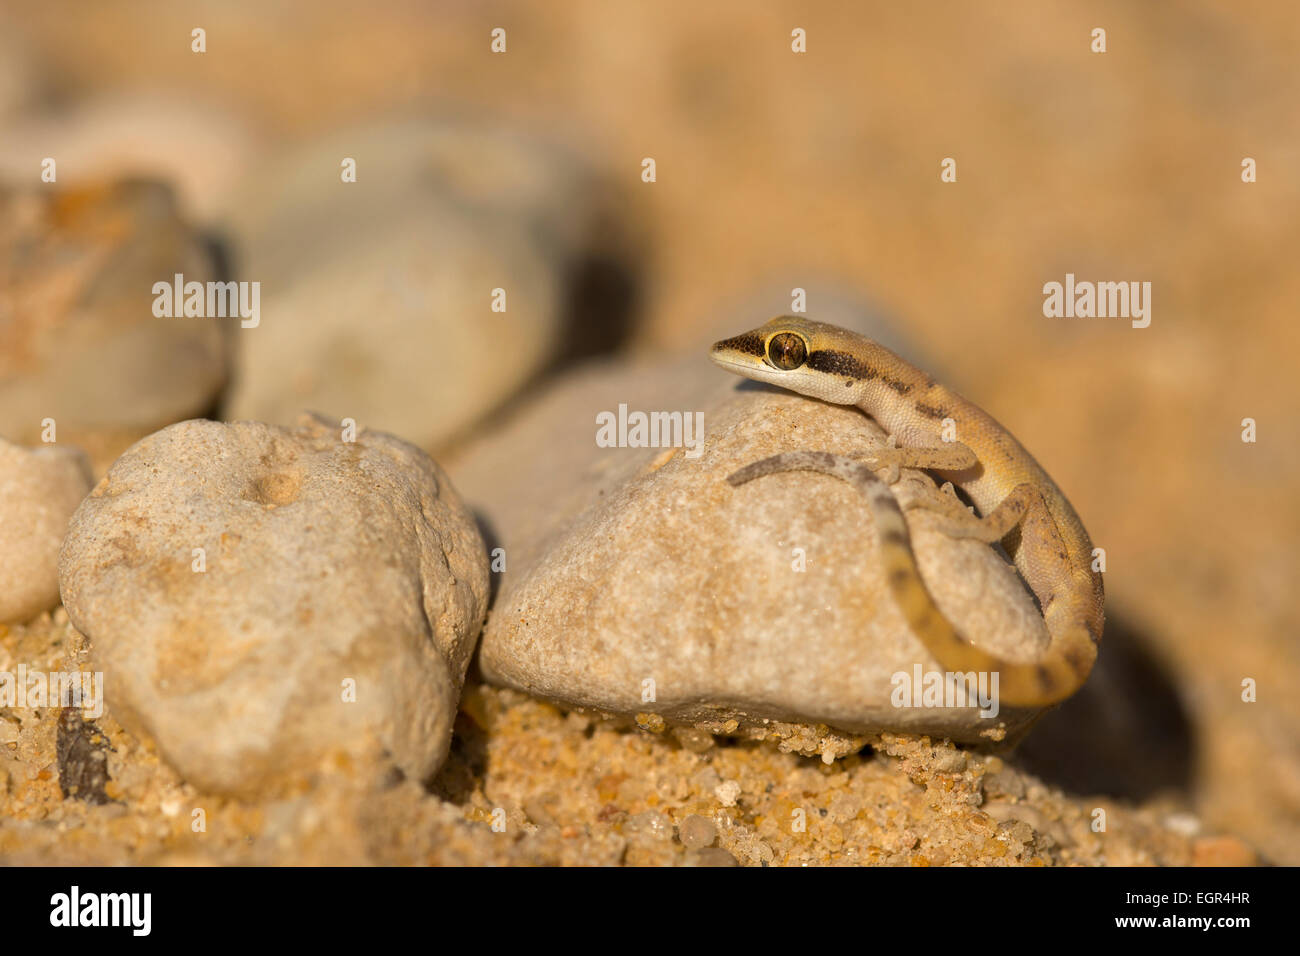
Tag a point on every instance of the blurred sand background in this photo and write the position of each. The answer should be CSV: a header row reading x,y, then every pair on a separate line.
x,y
821,171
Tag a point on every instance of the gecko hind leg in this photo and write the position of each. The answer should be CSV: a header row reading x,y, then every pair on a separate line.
x,y
1023,507
991,528
1045,566
1048,680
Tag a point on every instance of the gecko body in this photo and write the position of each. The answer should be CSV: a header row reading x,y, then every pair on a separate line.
x,y
1017,500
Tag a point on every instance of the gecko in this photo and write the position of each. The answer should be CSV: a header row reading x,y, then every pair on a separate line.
x,y
1018,502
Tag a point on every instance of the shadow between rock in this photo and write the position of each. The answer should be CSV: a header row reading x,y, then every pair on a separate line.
x,y
1126,734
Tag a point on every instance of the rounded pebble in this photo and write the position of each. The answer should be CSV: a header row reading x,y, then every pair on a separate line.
x,y
261,598
696,832
40,488
87,354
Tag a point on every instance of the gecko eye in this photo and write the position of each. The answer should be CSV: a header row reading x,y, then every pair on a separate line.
x,y
787,351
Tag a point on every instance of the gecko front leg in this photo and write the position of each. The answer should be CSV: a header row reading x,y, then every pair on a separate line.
x,y
949,456
888,462
1010,513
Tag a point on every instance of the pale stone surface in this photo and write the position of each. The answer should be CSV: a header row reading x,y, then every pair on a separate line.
x,y
628,565
324,562
378,294
40,488
79,341
201,151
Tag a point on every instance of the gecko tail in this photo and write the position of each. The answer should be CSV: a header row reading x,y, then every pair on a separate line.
x,y
1041,683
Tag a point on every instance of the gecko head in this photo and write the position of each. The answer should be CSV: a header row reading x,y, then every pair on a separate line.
x,y
799,354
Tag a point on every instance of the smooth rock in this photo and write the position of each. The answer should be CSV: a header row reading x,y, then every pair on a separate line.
x,y
199,150
40,488
627,566
79,341
327,567
378,294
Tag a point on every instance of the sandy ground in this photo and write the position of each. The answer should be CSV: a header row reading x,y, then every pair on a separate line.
x,y
529,785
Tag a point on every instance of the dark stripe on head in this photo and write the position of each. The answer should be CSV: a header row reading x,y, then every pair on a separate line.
x,y
931,411
846,365
751,343
840,363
